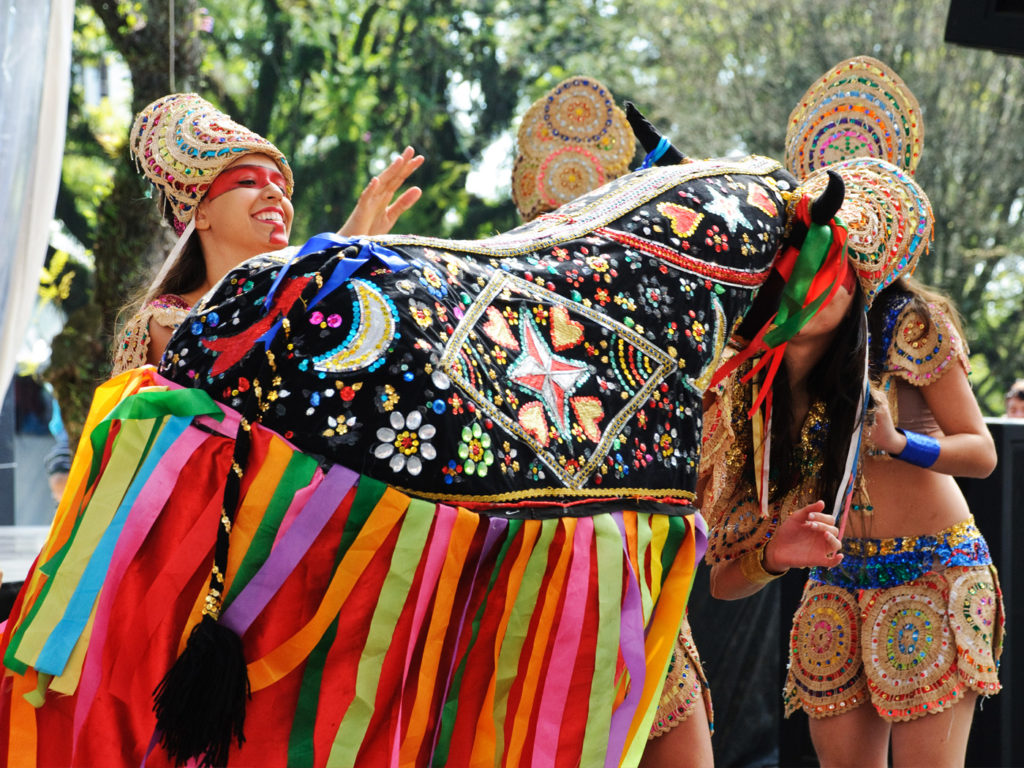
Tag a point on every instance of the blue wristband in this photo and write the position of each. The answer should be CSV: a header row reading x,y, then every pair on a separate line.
x,y
920,450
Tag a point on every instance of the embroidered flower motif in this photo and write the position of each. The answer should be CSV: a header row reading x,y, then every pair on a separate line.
x,y
535,471
509,463
475,450
434,282
451,471
387,398
421,314
405,444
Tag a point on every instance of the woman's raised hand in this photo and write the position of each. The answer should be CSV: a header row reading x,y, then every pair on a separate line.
x,y
806,538
375,214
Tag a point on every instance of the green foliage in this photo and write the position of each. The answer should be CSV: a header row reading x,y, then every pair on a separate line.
x,y
339,85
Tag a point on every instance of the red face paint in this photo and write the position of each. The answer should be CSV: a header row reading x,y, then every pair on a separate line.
x,y
246,176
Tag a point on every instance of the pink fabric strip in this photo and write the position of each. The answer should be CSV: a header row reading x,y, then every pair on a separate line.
x,y
444,522
496,528
566,647
631,645
140,520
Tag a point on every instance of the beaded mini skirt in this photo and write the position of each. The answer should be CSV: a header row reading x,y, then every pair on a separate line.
x,y
910,624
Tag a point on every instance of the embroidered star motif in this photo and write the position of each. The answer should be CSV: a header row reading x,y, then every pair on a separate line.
x,y
728,207
552,378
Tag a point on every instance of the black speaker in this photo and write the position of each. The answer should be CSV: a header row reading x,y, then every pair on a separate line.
x,y
997,738
996,25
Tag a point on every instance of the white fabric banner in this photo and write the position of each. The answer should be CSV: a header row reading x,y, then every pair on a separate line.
x,y
35,73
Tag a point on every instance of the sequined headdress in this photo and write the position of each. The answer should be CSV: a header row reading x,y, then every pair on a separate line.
x,y
888,218
859,108
181,143
570,142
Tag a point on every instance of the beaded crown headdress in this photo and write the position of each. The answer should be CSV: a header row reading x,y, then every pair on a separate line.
x,y
888,218
858,108
571,141
181,143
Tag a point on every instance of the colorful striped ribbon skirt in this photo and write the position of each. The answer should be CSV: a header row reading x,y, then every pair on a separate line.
x,y
378,629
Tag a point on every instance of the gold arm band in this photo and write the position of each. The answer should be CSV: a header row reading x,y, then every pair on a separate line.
x,y
753,570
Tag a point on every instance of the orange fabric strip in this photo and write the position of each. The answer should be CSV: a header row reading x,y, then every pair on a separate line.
x,y
485,742
441,616
279,662
542,638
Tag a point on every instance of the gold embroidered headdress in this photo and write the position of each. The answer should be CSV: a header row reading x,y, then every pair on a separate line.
x,y
570,142
181,143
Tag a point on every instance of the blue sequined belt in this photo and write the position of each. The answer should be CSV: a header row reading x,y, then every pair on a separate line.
x,y
880,563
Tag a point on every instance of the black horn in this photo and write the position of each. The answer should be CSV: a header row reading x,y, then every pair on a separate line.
x,y
828,202
649,136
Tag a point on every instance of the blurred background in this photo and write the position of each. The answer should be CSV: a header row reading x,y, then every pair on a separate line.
x,y
340,85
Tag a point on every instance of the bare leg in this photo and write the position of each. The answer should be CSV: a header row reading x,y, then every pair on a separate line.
x,y
856,739
936,741
688,745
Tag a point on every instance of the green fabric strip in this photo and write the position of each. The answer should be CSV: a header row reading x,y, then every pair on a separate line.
x,y
412,538
451,705
608,541
643,544
297,475
301,739
518,628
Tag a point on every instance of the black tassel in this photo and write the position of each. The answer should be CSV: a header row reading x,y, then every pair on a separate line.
x,y
200,703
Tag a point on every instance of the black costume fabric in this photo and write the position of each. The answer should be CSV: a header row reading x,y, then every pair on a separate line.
x,y
562,362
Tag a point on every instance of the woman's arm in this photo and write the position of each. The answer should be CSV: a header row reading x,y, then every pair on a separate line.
x,y
966,448
375,214
806,538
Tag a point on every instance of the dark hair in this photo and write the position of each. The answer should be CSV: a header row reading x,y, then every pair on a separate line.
x,y
187,274
837,381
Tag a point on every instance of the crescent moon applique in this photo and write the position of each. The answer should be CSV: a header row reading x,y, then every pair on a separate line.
x,y
374,322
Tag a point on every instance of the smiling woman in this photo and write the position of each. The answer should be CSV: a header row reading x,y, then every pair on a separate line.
x,y
227,192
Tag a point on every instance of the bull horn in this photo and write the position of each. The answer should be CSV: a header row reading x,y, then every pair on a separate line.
x,y
649,136
829,201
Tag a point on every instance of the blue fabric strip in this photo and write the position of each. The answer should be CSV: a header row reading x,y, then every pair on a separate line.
x,y
55,653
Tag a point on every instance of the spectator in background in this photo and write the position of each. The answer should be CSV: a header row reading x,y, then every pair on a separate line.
x,y
1015,400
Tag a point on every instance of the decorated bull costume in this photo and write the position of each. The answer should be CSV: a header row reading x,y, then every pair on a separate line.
x,y
434,497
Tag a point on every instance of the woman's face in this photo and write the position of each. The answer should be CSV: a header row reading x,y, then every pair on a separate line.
x,y
245,209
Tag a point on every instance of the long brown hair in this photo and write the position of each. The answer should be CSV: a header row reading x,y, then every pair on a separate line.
x,y
186,275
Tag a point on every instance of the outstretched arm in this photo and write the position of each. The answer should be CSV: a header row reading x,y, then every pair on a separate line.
x,y
375,214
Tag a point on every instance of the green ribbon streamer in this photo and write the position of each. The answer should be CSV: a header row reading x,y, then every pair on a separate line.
x,y
451,705
297,475
608,540
519,626
793,315
412,537
301,739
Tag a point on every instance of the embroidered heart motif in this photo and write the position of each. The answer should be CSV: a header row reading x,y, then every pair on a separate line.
x,y
758,197
497,330
565,332
588,412
684,220
531,418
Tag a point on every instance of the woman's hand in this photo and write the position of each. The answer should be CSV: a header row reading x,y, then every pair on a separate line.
x,y
807,537
880,431
375,214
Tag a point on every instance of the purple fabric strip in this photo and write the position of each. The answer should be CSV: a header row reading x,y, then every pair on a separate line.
x,y
700,530
631,644
289,550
